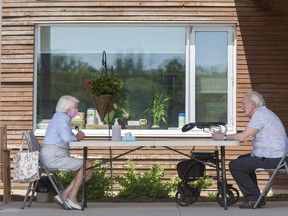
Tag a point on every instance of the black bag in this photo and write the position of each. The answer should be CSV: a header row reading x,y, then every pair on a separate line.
x,y
190,168
44,185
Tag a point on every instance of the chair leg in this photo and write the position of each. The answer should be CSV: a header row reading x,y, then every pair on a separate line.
x,y
33,193
58,182
266,188
53,180
31,188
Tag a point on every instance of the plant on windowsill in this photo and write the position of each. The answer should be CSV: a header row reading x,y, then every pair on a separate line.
x,y
159,109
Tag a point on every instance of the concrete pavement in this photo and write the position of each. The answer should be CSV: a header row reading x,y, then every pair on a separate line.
x,y
143,209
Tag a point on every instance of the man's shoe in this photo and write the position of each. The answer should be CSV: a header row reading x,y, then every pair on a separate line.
x,y
250,204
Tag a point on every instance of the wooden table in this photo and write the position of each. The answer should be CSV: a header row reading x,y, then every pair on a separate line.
x,y
169,144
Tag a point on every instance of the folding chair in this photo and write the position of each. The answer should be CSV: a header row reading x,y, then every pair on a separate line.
x,y
52,173
282,167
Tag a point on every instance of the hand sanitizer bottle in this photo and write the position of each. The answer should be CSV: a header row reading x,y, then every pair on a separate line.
x,y
116,131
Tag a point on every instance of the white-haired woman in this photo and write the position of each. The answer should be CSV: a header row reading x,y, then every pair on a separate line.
x,y
55,150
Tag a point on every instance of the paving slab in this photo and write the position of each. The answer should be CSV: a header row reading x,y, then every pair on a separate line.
x,y
143,209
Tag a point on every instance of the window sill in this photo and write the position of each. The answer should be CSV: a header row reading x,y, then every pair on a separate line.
x,y
138,133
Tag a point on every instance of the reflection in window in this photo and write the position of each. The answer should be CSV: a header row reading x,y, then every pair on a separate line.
x,y
211,76
150,59
192,66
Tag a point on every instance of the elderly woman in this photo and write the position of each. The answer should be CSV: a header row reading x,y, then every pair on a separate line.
x,y
55,150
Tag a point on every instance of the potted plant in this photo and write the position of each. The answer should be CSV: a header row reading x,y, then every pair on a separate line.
x,y
104,89
104,85
159,109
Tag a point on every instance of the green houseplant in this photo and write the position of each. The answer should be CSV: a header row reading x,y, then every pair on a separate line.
x,y
104,90
159,109
104,85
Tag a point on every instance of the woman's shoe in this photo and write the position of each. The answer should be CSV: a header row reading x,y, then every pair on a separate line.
x,y
73,205
59,201
69,206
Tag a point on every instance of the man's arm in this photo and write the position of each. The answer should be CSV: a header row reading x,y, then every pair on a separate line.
x,y
247,134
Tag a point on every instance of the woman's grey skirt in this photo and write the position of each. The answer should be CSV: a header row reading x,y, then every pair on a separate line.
x,y
56,157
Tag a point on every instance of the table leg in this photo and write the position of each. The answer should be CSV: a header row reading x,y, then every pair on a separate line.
x,y
84,195
111,170
223,173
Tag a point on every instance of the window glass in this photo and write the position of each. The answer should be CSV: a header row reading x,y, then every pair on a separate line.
x,y
211,76
150,59
194,68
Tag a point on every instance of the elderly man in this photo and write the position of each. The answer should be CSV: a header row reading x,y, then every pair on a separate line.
x,y
269,144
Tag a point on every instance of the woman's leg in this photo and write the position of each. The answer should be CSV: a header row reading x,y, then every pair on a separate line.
x,y
71,191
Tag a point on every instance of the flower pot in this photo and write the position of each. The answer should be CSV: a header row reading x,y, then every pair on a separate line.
x,y
45,197
103,104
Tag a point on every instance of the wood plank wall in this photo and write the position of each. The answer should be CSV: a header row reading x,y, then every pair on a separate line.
x,y
262,53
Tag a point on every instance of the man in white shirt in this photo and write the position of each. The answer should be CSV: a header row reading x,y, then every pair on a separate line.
x,y
269,144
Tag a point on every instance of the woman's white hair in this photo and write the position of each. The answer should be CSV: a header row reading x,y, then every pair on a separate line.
x,y
65,103
256,98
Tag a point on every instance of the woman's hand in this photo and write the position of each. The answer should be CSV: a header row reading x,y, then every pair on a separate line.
x,y
80,135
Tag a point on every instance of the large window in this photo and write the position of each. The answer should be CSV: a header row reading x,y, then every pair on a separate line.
x,y
192,66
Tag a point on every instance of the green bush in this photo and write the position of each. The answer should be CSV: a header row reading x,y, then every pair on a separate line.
x,y
201,183
133,185
145,185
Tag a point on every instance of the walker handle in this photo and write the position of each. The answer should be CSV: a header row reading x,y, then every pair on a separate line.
x,y
211,126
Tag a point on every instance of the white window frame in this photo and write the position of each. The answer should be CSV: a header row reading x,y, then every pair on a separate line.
x,y
231,76
190,81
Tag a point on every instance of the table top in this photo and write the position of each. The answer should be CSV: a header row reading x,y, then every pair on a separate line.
x,y
152,143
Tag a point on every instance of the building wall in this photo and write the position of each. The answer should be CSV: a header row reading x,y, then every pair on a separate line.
x,y
262,53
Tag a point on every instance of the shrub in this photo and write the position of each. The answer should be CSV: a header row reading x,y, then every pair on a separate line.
x,y
144,185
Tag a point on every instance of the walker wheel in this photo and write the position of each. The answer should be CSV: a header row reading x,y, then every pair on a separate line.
x,y
184,196
229,197
235,193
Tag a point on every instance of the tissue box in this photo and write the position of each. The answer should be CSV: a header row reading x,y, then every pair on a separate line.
x,y
128,138
133,123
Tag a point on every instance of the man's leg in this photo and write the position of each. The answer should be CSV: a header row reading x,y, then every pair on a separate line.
x,y
243,172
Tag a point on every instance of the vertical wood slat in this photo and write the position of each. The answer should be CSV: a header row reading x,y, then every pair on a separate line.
x,y
5,177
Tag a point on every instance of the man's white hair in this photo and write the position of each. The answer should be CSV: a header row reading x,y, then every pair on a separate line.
x,y
256,98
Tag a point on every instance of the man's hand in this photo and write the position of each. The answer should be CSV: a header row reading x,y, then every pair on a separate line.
x,y
218,136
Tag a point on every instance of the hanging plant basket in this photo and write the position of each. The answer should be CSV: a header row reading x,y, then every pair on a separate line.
x,y
104,89
103,104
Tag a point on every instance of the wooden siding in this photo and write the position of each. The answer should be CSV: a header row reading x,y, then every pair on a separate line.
x,y
262,53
